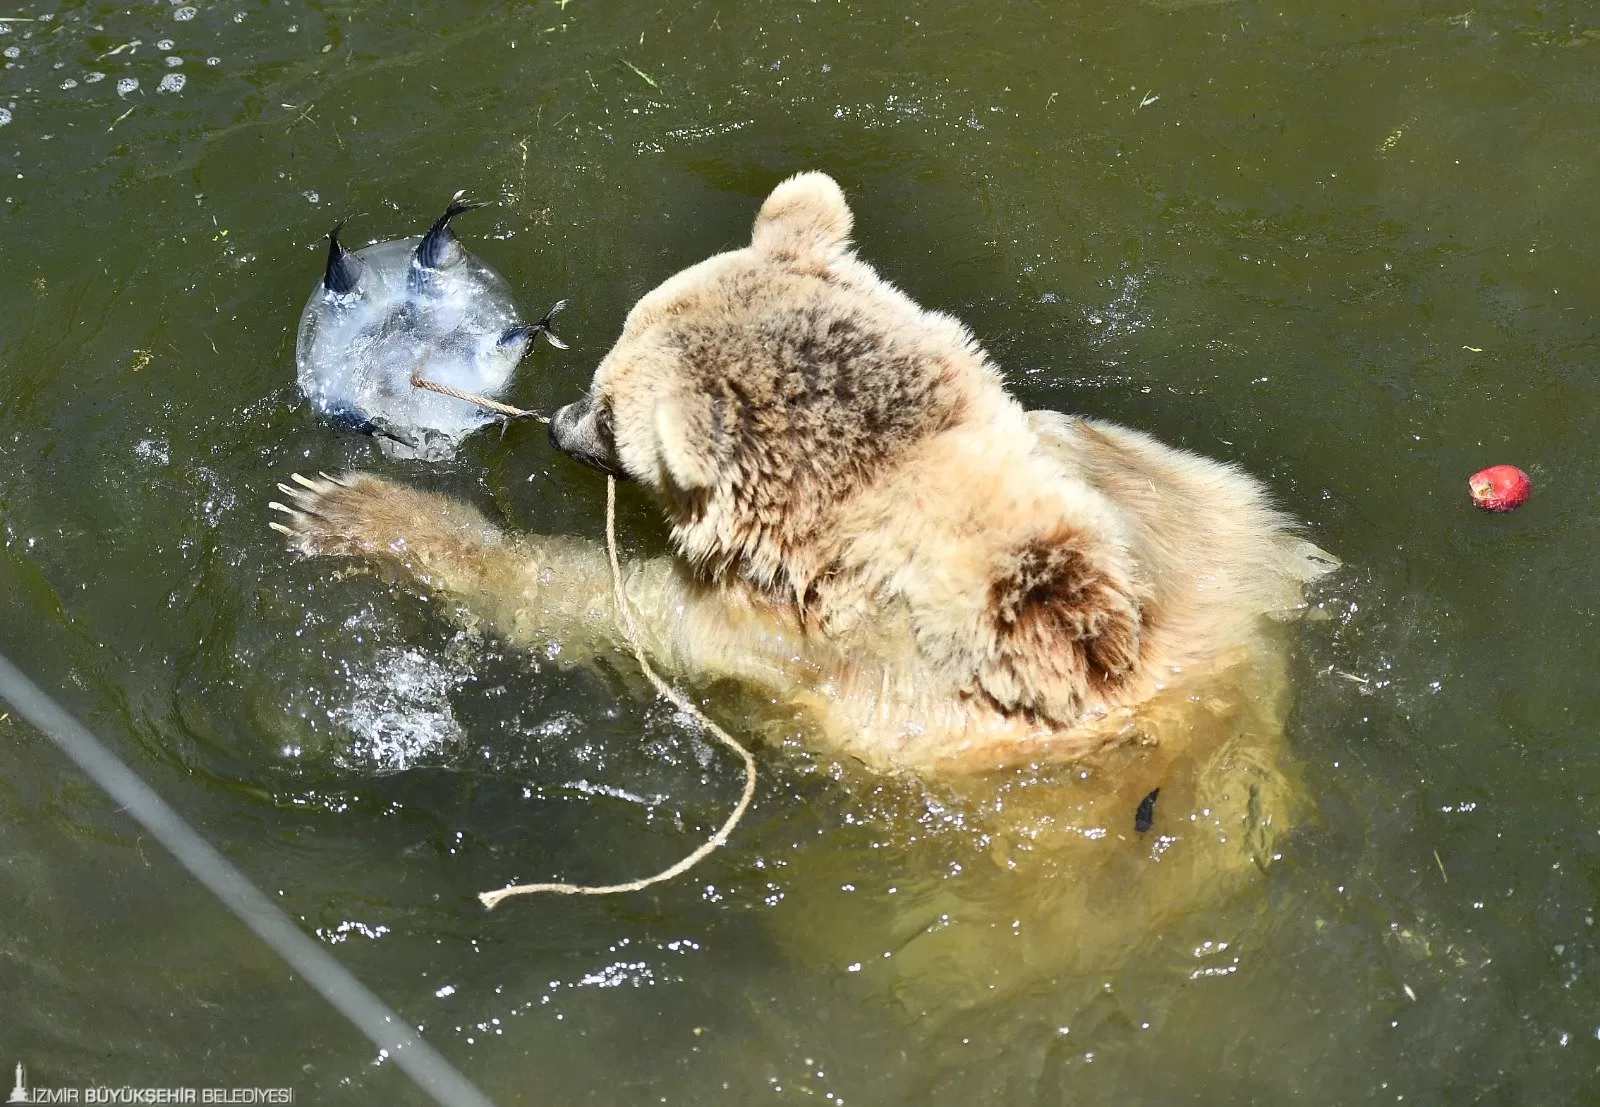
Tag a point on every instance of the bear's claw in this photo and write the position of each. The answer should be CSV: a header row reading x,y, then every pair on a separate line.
x,y
325,516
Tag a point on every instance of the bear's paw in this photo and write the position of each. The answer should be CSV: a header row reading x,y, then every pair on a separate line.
x,y
349,515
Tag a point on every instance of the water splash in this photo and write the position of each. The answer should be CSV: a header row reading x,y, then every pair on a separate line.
x,y
399,714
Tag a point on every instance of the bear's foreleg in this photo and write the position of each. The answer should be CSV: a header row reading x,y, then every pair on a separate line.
x,y
554,594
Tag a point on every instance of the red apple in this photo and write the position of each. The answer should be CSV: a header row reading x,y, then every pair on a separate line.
x,y
1500,488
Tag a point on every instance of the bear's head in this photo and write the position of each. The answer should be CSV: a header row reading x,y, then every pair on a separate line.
x,y
817,436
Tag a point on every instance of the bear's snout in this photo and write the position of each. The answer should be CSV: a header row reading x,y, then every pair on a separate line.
x,y
580,431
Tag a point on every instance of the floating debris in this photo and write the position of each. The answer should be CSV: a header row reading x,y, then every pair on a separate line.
x,y
1145,817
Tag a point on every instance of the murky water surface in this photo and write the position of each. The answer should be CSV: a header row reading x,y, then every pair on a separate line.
x,y
1350,246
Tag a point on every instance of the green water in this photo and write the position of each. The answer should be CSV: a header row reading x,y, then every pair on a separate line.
x,y
1349,246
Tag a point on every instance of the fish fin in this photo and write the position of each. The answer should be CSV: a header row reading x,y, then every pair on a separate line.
x,y
344,268
439,248
363,425
543,326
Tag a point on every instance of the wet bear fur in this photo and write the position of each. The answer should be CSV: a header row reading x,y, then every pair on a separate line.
x,y
908,570
830,452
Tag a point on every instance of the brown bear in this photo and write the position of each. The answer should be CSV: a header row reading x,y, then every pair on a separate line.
x,y
871,533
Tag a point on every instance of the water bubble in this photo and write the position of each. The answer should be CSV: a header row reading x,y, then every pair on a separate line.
x,y
164,44
5,116
172,82
213,61
91,78
311,195
173,60
69,83
126,85
12,51
153,449
183,15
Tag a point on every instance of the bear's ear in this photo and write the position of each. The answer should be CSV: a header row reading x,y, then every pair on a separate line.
x,y
685,441
1062,620
804,215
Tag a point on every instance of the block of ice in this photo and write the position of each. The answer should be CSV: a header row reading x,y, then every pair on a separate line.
x,y
419,307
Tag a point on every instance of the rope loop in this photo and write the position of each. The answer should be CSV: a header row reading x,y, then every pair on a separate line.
x,y
678,699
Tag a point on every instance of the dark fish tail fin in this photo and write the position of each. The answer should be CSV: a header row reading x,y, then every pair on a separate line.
x,y
439,248
344,268
1145,817
543,326
523,334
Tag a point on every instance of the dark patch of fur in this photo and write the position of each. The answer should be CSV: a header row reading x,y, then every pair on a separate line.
x,y
808,407
605,429
1062,627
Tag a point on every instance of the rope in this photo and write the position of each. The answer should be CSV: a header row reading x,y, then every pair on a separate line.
x,y
683,703
490,899
482,401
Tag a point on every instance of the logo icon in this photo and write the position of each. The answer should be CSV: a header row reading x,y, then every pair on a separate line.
x,y
19,1094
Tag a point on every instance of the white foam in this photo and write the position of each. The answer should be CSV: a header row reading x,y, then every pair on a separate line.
x,y
400,712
